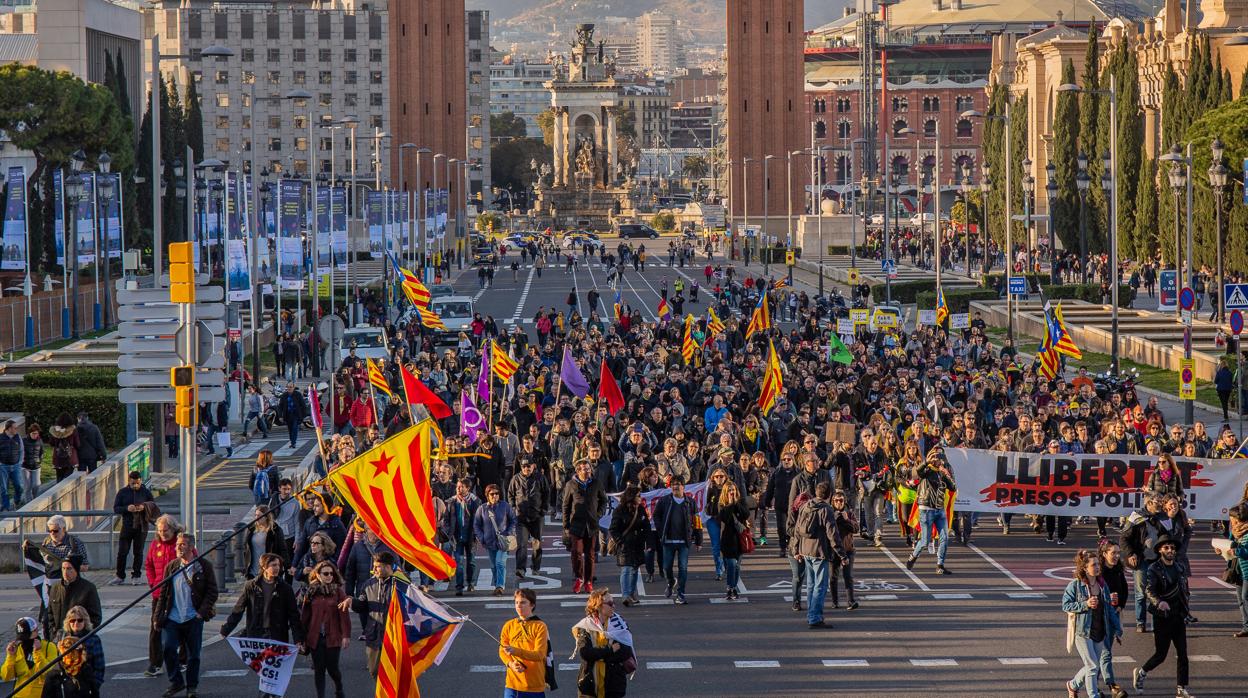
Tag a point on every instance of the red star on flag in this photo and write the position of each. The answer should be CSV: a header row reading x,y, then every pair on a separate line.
x,y
383,463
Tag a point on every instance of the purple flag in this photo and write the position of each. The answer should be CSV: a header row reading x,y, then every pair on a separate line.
x,y
571,376
483,379
471,422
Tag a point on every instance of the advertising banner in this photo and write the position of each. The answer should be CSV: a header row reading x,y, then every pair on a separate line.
x,y
1088,484
405,221
238,269
430,214
324,259
289,246
338,214
86,222
58,214
1168,289
374,209
14,256
112,217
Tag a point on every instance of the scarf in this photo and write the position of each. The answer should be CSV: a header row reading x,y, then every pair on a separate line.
x,y
1165,475
72,662
616,630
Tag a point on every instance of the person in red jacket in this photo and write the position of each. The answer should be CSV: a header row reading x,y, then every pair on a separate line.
x,y
362,414
161,551
323,608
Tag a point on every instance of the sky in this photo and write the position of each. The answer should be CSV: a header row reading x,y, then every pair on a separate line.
x,y
817,11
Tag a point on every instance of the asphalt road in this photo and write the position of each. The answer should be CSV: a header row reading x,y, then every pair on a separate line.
x,y
992,628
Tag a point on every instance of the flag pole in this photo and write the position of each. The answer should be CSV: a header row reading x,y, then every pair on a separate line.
x,y
559,385
372,395
320,437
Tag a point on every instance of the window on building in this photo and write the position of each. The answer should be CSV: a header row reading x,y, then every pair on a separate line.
x,y
249,77
275,122
964,129
474,121
901,104
195,55
299,77
275,144
222,145
301,143
246,121
249,55
248,25
194,25
842,129
474,78
246,145
297,27
374,26
325,55
300,103
348,28
476,143
376,121
898,126
350,99
247,105
349,77
326,100
325,77
374,55
842,105
821,130
348,55
374,77
931,104
223,100
323,31
474,26
274,55
300,55
301,122
272,28
222,77
275,77
220,25
374,99
326,145
223,121
929,128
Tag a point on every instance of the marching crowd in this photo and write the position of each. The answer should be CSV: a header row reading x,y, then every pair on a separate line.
x,y
680,455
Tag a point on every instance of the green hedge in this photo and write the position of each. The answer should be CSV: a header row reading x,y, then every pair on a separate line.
x,y
903,291
775,255
958,299
43,405
839,249
1090,293
87,377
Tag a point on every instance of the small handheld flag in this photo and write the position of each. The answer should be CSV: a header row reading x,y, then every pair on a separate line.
x,y
942,309
760,319
501,364
377,379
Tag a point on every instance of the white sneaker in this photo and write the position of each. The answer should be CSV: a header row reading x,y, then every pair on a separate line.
x,y
116,582
1181,692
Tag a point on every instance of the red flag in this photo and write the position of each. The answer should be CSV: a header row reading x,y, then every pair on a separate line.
x,y
315,404
418,394
609,390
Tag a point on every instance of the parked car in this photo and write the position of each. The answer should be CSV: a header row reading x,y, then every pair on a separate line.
x,y
456,314
637,230
368,342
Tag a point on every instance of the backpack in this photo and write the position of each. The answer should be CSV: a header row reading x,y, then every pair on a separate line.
x,y
63,452
261,490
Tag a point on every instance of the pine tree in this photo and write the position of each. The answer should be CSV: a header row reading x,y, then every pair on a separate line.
x,y
1090,143
1065,211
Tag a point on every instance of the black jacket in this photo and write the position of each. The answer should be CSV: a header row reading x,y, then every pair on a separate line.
x,y
630,531
91,449
778,487
127,497
80,592
58,684
1166,583
203,584
281,623
528,496
582,507
615,679
805,483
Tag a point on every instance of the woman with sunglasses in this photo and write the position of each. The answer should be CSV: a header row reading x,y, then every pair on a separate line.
x,y
77,624
733,518
327,624
604,645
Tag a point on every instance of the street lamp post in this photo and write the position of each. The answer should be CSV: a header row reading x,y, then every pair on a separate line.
x,y
1082,182
1218,176
966,186
985,188
1115,274
1178,183
1029,192
789,194
745,192
104,163
1051,189
73,192
766,216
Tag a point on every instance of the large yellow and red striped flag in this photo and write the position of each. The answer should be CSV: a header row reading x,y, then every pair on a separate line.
x,y
950,496
415,291
687,345
419,631
713,324
377,379
760,319
773,381
388,487
501,364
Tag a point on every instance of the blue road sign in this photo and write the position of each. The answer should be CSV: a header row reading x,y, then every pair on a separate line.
x,y
1018,285
888,266
1237,322
1235,296
1187,298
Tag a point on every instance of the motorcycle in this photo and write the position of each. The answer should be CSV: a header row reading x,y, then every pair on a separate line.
x,y
1107,383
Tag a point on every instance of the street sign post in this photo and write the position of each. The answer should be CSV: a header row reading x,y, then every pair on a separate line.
x,y
1237,322
1235,297
1187,298
889,267
852,276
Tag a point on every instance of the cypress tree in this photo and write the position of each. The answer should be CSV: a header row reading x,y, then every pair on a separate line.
x,y
1146,198
1018,148
110,74
1090,141
1130,141
143,194
123,87
1243,84
994,158
1065,213
194,121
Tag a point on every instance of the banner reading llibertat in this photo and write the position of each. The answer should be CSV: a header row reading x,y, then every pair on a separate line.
x,y
14,256
85,216
338,214
324,258
58,214
1087,484
289,247
374,205
112,209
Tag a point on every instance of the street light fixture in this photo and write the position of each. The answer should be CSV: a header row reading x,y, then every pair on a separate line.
x,y
1218,177
1082,183
965,186
985,187
74,186
1050,188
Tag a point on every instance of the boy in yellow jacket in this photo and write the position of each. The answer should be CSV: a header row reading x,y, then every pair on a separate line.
x,y
523,644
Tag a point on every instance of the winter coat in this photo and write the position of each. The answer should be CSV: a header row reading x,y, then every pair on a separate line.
x,y
582,507
374,599
15,669
91,449
282,621
460,515
321,610
528,495
488,531
203,583
359,563
64,443
816,532
126,497
33,451
630,533
59,684
733,519
615,681
159,554
80,592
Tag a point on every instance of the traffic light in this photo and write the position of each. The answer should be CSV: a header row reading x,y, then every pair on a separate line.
x,y
187,410
181,272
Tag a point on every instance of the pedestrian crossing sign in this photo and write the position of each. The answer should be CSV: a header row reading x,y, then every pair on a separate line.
x,y
1235,296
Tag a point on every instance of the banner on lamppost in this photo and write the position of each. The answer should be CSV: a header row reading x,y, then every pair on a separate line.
x,y
237,270
233,211
405,221
338,214
324,257
14,257
443,211
430,215
86,221
58,214
373,207
289,245
112,217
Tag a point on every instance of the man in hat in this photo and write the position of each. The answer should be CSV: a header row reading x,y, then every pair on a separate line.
x,y
935,479
1165,587
73,590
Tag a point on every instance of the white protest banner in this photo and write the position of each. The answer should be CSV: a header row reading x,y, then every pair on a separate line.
x,y
273,661
927,317
844,325
1087,484
959,321
695,491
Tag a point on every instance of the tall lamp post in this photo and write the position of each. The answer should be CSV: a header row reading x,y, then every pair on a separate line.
x,y
105,187
1050,187
745,193
73,192
1178,183
1082,182
985,188
788,243
1218,177
1029,193
766,216
966,187
1115,274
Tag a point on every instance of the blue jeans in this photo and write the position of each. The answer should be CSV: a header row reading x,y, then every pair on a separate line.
x,y
468,568
498,567
816,588
628,581
1141,604
797,568
732,568
174,635
678,552
927,519
292,426
1089,676
1243,604
1107,661
513,693
713,530
260,425
10,472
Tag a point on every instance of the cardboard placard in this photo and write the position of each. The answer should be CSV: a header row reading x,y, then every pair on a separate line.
x,y
840,431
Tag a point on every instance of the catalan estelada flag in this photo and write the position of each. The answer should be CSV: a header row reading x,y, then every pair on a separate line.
x,y
773,381
388,487
687,345
713,324
1061,340
760,319
501,364
419,631
942,308
377,379
664,311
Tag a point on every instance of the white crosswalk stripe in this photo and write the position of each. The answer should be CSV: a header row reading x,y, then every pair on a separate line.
x,y
757,664
669,665
845,663
1021,661
934,662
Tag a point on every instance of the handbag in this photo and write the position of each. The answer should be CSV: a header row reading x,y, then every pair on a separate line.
x,y
505,542
1232,574
745,540
612,545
